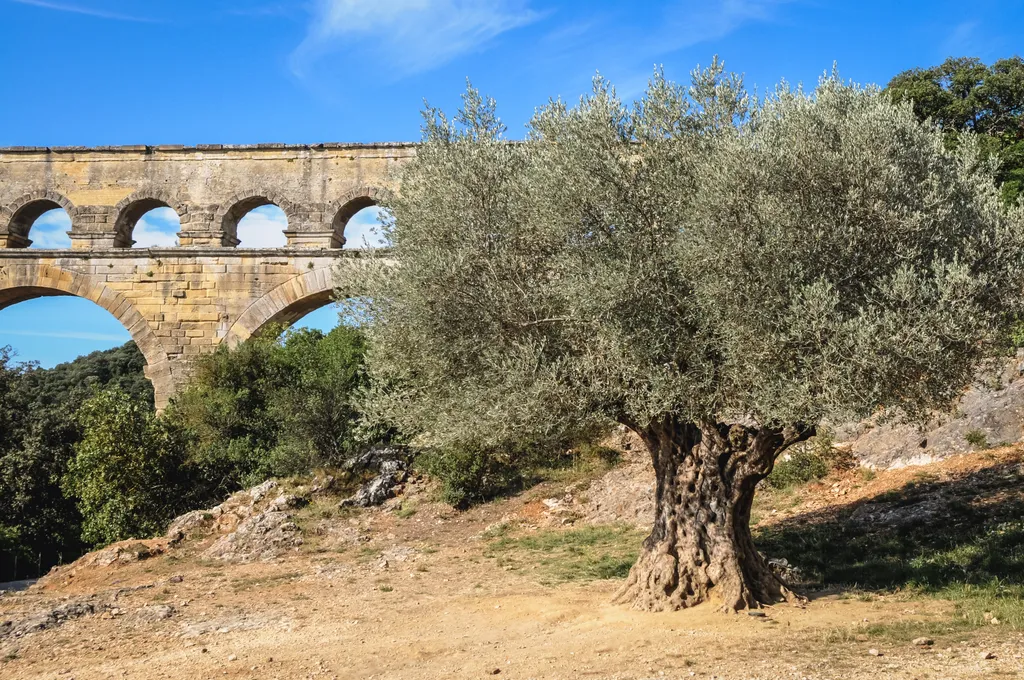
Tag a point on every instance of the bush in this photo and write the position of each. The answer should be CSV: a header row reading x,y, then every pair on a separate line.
x,y
809,461
127,471
977,439
471,475
277,405
39,525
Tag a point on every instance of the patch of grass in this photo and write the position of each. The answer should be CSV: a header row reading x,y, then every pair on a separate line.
x,y
385,589
978,604
583,461
961,540
496,530
584,554
897,631
977,439
469,476
773,499
807,462
406,511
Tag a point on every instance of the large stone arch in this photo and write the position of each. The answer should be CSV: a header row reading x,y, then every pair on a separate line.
x,y
235,208
286,303
130,210
346,206
17,217
26,282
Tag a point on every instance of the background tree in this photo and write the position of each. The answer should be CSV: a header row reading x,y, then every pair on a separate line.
x,y
277,405
38,432
964,95
127,473
716,273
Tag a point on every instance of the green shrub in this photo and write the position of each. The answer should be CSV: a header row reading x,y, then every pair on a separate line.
x,y
126,474
39,525
469,475
811,460
583,554
977,439
278,405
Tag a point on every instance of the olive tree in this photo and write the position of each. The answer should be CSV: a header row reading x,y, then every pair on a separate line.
x,y
716,272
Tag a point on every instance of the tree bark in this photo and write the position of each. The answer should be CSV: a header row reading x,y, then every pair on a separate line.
x,y
701,548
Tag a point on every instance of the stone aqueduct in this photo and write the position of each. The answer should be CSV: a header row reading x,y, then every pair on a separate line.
x,y
180,302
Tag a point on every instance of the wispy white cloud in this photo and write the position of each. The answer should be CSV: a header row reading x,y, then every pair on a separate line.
x,y
88,11
157,229
363,230
963,40
409,35
691,23
50,230
263,228
69,335
627,54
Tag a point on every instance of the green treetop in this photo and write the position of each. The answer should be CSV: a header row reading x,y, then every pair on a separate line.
x,y
715,272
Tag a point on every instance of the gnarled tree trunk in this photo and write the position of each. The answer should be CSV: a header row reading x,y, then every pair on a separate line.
x,y
701,548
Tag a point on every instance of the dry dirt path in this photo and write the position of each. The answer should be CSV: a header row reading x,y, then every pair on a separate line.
x,y
421,597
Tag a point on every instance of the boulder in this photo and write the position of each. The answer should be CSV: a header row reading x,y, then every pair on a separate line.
x,y
392,470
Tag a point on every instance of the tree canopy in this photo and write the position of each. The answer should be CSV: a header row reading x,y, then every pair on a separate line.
x,y
39,524
717,272
964,95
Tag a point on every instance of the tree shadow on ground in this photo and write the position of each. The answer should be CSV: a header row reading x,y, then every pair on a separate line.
x,y
932,534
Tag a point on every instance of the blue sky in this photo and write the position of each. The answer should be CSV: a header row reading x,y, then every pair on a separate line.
x,y
243,71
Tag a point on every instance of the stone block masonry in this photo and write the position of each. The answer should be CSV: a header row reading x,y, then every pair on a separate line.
x,y
179,303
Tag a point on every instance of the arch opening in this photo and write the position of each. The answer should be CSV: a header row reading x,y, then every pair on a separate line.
x,y
305,310
40,320
50,328
40,224
324,319
147,223
365,228
284,305
255,222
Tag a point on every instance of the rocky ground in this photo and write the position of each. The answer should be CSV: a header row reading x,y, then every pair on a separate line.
x,y
991,413
281,582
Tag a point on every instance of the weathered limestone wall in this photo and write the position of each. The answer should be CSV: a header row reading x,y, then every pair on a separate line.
x,y
106,190
179,303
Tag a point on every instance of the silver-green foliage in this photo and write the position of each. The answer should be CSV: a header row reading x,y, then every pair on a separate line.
x,y
701,254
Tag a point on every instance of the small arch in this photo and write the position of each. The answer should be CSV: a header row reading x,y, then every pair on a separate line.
x,y
346,207
33,281
18,216
244,203
286,304
131,211
263,227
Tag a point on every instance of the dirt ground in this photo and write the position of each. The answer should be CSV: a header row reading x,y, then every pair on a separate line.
x,y
386,594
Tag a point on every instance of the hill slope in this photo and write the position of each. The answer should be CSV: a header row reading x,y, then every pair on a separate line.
x,y
521,587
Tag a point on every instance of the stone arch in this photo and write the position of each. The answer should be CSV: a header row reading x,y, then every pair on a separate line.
x,y
345,207
239,205
17,217
130,210
27,282
287,303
